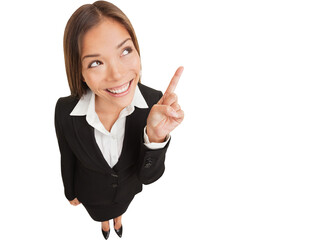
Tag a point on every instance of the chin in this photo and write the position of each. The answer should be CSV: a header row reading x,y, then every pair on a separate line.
x,y
125,98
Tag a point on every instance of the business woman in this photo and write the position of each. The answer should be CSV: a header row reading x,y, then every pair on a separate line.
x,y
112,131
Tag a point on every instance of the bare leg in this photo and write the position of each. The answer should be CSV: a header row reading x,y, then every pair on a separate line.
x,y
118,222
106,226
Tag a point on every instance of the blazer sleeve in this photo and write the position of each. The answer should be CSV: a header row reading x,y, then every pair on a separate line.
x,y
151,166
68,159
151,161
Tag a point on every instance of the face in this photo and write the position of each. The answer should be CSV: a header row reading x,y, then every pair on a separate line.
x,y
110,64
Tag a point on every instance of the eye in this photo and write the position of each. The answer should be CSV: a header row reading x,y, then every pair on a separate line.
x,y
94,64
127,51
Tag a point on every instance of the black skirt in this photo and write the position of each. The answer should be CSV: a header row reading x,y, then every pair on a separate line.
x,y
101,213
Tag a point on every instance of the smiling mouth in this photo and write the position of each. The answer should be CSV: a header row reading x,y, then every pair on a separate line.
x,y
121,90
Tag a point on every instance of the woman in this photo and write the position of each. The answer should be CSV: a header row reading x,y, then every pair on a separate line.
x,y
112,131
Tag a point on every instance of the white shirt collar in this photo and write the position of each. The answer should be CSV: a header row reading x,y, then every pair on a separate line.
x,y
87,102
86,106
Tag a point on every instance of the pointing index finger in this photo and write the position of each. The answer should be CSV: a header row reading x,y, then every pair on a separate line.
x,y
174,80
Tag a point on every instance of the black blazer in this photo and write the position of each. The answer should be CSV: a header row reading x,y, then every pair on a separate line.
x,y
86,174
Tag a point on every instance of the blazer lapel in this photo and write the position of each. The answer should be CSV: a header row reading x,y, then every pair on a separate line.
x,y
92,157
133,138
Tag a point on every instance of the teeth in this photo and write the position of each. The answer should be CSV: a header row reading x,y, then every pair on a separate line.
x,y
117,91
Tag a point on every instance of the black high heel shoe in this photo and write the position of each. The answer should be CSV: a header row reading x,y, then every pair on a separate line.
x,y
119,231
106,234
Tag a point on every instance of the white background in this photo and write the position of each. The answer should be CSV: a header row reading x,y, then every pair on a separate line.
x,y
244,164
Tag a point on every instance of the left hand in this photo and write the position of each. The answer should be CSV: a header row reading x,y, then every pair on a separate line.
x,y
74,202
167,114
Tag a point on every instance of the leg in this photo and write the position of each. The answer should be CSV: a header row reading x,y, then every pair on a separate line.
x,y
118,222
118,226
106,226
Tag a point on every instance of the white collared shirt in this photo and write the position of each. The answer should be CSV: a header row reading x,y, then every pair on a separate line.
x,y
111,143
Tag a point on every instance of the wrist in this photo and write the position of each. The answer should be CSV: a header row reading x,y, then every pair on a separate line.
x,y
153,137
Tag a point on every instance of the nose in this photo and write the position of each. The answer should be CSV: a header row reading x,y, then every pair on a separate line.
x,y
115,71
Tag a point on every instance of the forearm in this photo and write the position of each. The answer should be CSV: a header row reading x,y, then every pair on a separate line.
x,y
152,164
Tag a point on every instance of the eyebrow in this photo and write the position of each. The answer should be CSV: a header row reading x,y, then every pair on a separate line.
x,y
117,47
121,44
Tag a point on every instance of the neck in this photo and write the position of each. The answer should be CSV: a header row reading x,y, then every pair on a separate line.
x,y
106,107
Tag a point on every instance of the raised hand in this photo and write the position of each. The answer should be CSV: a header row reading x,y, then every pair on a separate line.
x,y
167,114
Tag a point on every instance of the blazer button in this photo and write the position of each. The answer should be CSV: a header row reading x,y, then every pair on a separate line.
x,y
114,175
148,162
114,185
147,165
